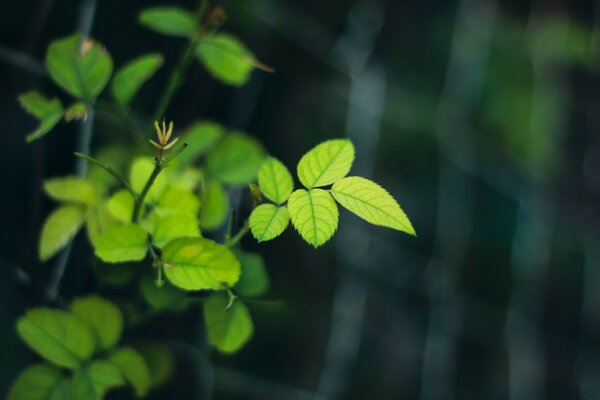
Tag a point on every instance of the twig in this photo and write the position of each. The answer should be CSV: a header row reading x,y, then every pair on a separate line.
x,y
22,61
108,169
139,200
233,241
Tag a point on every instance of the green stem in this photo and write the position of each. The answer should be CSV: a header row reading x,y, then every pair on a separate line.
x,y
108,169
239,235
158,167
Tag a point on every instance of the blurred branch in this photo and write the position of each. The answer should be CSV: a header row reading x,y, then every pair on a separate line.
x,y
22,61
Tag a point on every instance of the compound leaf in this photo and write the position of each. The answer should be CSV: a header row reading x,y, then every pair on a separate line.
x,y
314,214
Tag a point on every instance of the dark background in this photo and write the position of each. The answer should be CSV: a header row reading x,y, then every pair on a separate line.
x,y
481,117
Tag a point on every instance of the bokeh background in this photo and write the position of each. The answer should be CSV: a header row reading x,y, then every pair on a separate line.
x,y
481,117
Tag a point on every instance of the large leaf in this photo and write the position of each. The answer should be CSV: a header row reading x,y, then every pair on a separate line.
x,y
47,111
56,335
72,189
371,202
254,280
314,214
173,226
196,263
326,163
134,368
140,172
228,328
40,382
81,67
92,381
177,200
236,159
215,206
275,180
58,230
128,80
103,317
171,21
122,243
226,58
268,221
200,137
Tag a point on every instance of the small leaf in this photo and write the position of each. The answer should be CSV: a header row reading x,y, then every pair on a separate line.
x,y
275,180
228,328
134,368
314,214
174,226
47,111
92,381
121,205
176,200
236,159
141,169
328,162
60,227
76,111
102,317
159,359
227,58
122,243
81,67
170,21
371,202
166,296
72,189
128,80
97,221
196,263
40,382
200,137
254,280
268,221
215,206
57,335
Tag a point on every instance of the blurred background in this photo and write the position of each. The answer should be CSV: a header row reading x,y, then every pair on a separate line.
x,y
481,117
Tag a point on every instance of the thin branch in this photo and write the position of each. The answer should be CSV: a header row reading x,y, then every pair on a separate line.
x,y
233,241
108,169
139,201
22,61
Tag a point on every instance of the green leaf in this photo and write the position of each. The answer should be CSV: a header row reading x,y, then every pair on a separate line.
x,y
226,58
328,162
159,359
121,205
103,317
371,202
97,221
197,263
60,227
92,381
40,382
236,159
122,243
141,169
128,80
57,335
200,137
275,181
71,189
176,200
215,206
76,111
268,221
228,329
134,368
81,67
314,214
170,21
166,296
47,111
254,280
115,277
174,226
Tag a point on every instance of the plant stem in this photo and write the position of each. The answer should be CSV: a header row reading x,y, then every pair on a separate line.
x,y
158,167
108,169
230,242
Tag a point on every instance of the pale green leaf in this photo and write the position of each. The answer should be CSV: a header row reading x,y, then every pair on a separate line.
x,y
98,219
166,296
81,67
57,335
60,227
173,226
197,263
200,137
215,206
76,111
128,80
275,181
254,280
40,382
47,111
229,329
268,221
71,189
92,381
121,205
122,243
326,163
102,317
179,201
371,202
170,21
226,58
314,214
140,172
159,359
134,368
236,159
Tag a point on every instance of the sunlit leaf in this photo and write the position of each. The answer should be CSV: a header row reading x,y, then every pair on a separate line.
x,y
47,111
236,159
254,280
268,221
98,219
200,137
58,230
215,206
173,226
275,180
177,200
140,172
40,382
122,243
128,80
121,205
171,21
134,368
228,328
314,214
57,335
92,381
71,189
326,163
102,317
